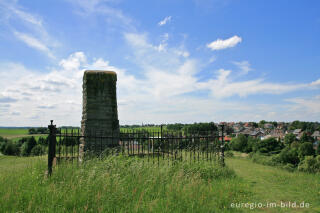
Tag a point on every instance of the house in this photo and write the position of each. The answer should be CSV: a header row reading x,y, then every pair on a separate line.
x,y
247,124
268,126
296,132
280,125
225,138
299,135
316,135
256,134
277,133
237,128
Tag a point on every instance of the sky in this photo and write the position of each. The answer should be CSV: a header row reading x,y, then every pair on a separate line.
x,y
176,61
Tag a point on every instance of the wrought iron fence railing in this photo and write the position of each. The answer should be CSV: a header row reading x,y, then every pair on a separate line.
x,y
152,146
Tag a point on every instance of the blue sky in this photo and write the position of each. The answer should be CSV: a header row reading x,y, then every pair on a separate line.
x,y
177,61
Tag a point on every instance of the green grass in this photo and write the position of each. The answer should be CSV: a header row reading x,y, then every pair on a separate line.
x,y
148,128
13,131
117,184
121,184
271,184
36,137
15,134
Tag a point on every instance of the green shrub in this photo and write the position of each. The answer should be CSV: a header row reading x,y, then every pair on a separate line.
x,y
295,145
228,154
289,155
318,150
37,150
207,170
28,146
306,138
310,164
305,149
264,160
268,145
239,143
289,167
10,148
289,138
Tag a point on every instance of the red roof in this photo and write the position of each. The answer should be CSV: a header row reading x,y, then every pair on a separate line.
x,y
226,138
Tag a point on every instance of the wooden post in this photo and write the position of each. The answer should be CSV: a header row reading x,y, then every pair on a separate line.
x,y
52,146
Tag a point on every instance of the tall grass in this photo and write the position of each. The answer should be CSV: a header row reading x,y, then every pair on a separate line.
x,y
117,184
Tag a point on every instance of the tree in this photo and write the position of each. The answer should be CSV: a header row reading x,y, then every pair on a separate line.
x,y
305,149
200,127
268,145
239,143
37,150
43,141
27,146
10,148
175,127
274,123
254,124
289,138
251,144
318,150
306,138
228,130
310,164
32,131
295,144
289,155
262,123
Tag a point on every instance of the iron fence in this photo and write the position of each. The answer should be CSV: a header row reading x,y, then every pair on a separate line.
x,y
152,146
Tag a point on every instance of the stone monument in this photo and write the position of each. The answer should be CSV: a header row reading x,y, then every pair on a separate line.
x,y
99,111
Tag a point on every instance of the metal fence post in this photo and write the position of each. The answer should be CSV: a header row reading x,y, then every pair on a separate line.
x,y
222,145
52,146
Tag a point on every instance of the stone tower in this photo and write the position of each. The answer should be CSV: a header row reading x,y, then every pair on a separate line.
x,y
99,112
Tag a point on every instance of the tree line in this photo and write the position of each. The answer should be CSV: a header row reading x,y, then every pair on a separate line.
x,y
291,153
26,146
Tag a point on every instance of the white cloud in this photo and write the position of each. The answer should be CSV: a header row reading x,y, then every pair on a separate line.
x,y
114,16
74,61
34,43
244,66
27,17
224,86
315,83
306,108
165,21
31,28
158,95
220,44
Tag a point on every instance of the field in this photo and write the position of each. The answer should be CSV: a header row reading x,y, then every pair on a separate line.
x,y
269,184
12,132
15,134
148,128
119,184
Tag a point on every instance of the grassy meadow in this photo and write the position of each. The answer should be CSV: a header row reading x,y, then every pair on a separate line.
x,y
147,128
121,184
117,184
13,132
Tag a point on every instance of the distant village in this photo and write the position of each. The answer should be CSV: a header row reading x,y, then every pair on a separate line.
x,y
260,130
264,130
